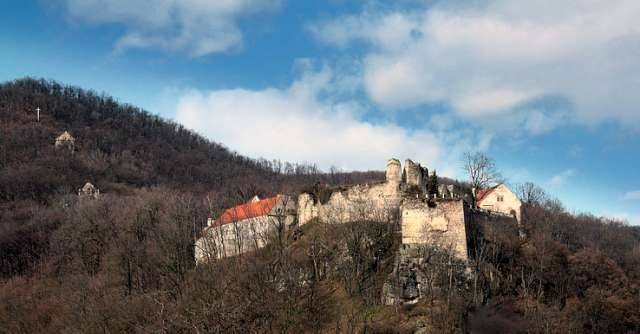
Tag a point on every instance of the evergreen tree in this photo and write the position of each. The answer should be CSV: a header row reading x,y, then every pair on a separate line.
x,y
433,184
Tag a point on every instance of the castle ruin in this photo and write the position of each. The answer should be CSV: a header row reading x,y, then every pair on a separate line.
x,y
402,196
443,221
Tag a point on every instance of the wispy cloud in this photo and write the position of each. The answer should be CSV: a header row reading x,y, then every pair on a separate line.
x,y
632,195
561,178
194,26
309,121
493,60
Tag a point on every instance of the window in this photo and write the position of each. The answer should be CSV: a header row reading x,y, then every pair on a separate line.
x,y
500,198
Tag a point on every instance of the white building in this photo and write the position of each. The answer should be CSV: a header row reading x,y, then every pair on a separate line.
x,y
244,228
499,199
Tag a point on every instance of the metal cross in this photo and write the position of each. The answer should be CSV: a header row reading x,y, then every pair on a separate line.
x,y
38,111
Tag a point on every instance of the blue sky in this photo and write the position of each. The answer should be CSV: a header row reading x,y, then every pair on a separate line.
x,y
547,88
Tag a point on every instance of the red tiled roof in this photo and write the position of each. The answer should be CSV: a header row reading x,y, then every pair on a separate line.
x,y
483,193
247,211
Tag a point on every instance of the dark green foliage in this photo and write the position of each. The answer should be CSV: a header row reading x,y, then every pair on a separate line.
x,y
432,185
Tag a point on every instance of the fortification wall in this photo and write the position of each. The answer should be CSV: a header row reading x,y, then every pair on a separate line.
x,y
413,174
393,172
362,202
442,225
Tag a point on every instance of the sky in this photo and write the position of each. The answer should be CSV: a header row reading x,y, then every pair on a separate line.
x,y
547,88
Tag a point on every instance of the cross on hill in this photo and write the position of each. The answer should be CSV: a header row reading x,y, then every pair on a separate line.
x,y
38,113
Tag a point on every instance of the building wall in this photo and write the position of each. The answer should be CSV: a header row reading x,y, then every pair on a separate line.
x,y
235,238
510,205
442,225
244,235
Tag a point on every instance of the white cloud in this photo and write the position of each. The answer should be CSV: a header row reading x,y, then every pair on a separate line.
x,y
489,102
300,123
624,216
198,27
632,195
492,59
561,178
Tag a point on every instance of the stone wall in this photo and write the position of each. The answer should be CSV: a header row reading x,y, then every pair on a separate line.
x,y
450,226
378,202
442,224
307,208
394,172
413,174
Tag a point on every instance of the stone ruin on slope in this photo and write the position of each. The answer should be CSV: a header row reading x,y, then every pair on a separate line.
x,y
89,191
65,141
402,196
443,222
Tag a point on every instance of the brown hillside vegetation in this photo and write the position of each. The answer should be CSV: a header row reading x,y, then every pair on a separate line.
x,y
118,148
125,262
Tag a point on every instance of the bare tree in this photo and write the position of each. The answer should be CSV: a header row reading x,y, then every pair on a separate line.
x,y
530,193
481,170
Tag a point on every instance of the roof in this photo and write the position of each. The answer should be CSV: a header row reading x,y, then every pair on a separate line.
x,y
252,209
483,193
65,136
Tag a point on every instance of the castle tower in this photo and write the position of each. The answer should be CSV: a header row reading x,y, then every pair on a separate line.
x,y
394,174
413,174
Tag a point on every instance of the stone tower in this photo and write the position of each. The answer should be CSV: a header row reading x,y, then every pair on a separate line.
x,y
413,174
394,174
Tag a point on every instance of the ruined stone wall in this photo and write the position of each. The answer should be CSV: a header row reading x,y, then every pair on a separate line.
x,y
378,202
307,209
360,202
413,174
457,227
442,225
394,172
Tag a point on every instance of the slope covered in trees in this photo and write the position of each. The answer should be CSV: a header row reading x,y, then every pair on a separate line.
x,y
116,145
124,263
119,148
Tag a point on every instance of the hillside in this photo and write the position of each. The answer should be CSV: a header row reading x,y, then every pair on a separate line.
x,y
125,262
116,145
120,149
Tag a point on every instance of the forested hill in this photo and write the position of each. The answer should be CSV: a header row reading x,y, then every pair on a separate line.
x,y
125,262
118,147
129,154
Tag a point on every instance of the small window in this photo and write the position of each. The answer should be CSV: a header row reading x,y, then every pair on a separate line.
x,y
500,198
